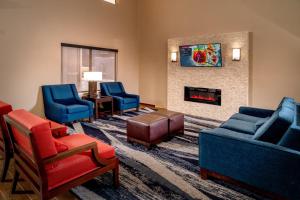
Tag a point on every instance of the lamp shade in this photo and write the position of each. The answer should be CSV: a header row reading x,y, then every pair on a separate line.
x,y
92,76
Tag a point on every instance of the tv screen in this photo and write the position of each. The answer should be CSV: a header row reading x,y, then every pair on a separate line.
x,y
201,55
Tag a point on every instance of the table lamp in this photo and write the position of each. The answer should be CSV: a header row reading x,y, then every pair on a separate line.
x,y
92,78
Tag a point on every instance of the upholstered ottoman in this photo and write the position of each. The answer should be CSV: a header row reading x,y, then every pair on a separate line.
x,y
175,121
147,129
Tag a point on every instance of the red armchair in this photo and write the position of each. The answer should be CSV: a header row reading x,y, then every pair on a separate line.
x,y
53,165
6,149
5,144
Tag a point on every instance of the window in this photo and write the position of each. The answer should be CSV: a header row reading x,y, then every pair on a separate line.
x,y
77,59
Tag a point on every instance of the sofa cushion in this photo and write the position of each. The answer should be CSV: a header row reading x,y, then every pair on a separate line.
x,y
260,122
274,128
60,92
68,169
129,100
77,108
223,131
240,126
245,117
291,139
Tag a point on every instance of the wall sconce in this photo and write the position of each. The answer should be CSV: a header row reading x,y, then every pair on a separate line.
x,y
174,57
236,54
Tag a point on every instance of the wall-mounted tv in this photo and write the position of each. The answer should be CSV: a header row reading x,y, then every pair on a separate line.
x,y
201,55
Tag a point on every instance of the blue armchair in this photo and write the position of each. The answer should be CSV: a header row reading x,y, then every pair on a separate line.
x,y
62,103
122,100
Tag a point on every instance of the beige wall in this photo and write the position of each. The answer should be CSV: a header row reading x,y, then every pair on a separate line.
x,y
275,40
31,32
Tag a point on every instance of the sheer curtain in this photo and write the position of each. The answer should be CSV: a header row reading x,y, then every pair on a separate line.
x,y
76,61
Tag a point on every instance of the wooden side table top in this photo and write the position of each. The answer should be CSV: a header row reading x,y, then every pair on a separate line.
x,y
99,100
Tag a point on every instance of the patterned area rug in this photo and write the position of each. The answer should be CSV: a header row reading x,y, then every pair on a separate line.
x,y
168,171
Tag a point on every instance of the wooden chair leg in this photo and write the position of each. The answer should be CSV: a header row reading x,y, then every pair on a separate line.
x,y
116,175
15,182
5,167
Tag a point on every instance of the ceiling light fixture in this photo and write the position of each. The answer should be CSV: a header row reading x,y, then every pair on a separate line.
x,y
111,1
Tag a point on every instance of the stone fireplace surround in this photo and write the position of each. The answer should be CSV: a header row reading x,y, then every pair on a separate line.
x,y
232,79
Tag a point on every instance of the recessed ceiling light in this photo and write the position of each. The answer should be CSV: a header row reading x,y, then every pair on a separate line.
x,y
111,1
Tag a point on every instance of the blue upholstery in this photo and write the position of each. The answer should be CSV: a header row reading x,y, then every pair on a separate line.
x,y
240,126
62,103
122,100
269,160
291,139
264,165
245,117
276,126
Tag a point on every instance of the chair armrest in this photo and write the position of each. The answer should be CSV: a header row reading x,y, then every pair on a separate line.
x,y
118,99
90,146
256,112
132,95
264,165
85,102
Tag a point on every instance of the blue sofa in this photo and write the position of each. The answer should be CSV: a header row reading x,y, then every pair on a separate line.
x,y
122,100
256,147
62,103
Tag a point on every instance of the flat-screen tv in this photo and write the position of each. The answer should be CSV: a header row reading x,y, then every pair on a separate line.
x,y
201,55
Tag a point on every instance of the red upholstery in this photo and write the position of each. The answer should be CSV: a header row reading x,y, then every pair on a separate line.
x,y
4,109
58,130
41,133
105,151
77,165
61,170
68,169
60,147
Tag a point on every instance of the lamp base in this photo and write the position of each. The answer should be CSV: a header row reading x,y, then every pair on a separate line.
x,y
92,89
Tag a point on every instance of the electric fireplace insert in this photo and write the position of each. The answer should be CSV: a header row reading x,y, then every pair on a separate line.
x,y
202,95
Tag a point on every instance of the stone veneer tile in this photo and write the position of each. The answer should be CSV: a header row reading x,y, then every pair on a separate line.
x,y
232,78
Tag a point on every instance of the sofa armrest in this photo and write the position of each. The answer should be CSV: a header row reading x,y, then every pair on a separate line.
x,y
263,165
256,112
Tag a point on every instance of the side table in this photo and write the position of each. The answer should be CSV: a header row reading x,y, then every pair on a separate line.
x,y
98,101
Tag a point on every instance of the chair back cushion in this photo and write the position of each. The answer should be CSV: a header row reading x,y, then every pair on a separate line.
x,y
4,109
274,128
114,88
63,94
40,131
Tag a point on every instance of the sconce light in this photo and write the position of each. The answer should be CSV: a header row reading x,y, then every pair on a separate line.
x,y
174,57
236,54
